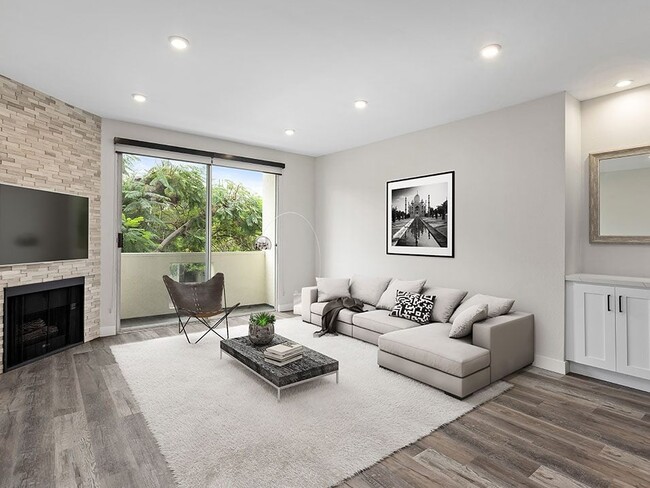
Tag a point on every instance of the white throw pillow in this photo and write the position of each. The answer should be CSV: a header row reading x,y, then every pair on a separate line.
x,y
465,320
368,289
496,306
447,299
332,288
387,300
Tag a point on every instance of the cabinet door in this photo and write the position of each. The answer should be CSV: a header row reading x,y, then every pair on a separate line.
x,y
633,332
595,326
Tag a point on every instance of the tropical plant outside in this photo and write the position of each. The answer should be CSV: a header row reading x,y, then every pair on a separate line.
x,y
163,210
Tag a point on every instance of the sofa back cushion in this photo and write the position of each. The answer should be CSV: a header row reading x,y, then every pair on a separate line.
x,y
387,300
332,288
368,289
496,306
447,299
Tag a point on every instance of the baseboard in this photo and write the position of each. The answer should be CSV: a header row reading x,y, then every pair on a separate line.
x,y
286,307
107,331
610,376
550,364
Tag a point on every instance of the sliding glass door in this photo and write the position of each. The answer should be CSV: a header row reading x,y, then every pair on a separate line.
x,y
189,221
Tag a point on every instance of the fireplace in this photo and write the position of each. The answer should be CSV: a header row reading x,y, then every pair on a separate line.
x,y
41,319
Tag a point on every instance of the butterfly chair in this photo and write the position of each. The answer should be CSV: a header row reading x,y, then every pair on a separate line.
x,y
200,301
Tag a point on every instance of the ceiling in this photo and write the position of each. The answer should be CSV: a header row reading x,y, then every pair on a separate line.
x,y
257,67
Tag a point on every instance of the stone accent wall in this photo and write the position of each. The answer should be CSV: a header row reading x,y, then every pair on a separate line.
x,y
50,145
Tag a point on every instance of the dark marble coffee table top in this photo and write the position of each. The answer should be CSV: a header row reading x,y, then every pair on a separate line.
x,y
311,365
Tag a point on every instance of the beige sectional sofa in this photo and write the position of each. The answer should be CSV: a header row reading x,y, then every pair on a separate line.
x,y
496,347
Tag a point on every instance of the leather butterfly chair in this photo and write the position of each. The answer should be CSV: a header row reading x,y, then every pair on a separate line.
x,y
200,301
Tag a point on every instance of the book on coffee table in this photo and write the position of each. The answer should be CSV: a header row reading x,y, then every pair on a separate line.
x,y
275,362
284,350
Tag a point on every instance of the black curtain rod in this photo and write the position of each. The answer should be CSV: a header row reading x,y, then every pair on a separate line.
x,y
196,152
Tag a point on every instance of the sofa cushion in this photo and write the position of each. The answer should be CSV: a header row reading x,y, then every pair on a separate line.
x,y
332,288
381,322
368,289
345,315
447,299
496,306
387,300
413,306
430,345
464,323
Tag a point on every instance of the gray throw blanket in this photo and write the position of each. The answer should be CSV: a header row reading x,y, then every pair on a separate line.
x,y
331,313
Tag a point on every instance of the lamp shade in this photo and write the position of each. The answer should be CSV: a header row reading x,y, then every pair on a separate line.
x,y
263,243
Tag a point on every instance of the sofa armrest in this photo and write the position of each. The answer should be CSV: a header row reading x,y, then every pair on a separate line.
x,y
510,339
309,296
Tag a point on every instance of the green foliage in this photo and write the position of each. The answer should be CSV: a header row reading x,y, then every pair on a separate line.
x,y
262,319
164,210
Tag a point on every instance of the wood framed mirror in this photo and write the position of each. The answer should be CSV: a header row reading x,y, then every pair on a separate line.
x,y
619,196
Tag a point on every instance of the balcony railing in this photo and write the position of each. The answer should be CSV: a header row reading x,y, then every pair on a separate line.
x,y
249,278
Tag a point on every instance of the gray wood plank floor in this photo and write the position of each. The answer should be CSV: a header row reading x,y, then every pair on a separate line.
x,y
70,420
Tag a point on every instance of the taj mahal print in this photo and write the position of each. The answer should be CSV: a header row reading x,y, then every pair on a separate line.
x,y
420,215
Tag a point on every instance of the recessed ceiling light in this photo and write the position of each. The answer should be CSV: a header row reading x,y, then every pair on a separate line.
x,y
179,42
623,83
289,132
360,104
139,97
491,51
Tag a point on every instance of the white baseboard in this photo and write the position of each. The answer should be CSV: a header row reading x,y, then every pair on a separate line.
x,y
286,307
551,364
610,376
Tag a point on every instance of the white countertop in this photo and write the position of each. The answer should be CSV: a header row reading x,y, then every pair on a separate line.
x,y
609,280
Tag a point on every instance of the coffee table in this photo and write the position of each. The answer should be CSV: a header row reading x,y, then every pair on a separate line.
x,y
313,364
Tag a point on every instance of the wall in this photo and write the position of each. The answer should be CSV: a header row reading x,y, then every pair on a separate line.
x,y
510,210
296,188
50,145
617,121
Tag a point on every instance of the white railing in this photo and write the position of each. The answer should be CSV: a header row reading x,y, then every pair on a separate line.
x,y
249,279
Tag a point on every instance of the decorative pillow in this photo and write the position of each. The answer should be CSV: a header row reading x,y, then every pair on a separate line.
x,y
387,300
368,289
332,288
447,299
464,322
413,306
496,306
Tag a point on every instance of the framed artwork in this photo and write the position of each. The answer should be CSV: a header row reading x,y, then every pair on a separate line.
x,y
420,215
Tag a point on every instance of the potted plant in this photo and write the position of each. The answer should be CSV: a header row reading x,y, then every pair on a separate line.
x,y
261,328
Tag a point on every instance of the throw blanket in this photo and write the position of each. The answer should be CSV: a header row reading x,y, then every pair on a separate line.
x,y
331,313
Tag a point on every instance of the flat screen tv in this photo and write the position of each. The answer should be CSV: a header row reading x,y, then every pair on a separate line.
x,y
40,226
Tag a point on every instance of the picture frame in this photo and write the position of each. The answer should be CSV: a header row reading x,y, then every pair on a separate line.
x,y
420,213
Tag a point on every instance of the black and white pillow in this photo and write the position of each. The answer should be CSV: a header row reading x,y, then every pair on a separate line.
x,y
413,306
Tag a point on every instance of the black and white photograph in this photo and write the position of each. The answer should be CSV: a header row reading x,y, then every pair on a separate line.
x,y
420,215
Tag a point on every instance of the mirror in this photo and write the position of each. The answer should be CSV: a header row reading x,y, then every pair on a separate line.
x,y
619,196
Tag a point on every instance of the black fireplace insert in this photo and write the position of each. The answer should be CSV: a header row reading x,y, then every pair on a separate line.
x,y
41,319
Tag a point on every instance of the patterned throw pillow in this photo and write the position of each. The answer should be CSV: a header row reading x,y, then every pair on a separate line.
x,y
413,306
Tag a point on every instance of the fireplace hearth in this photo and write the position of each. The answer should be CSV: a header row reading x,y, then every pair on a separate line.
x,y
41,319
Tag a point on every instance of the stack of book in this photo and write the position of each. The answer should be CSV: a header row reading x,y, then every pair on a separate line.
x,y
283,354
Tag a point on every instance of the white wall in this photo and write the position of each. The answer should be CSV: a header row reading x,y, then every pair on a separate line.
x,y
510,210
617,121
295,241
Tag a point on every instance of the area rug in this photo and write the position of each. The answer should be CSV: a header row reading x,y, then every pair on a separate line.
x,y
218,425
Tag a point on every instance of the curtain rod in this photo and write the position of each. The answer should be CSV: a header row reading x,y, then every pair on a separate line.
x,y
196,152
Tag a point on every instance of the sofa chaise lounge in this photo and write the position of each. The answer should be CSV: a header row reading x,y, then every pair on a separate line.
x,y
496,347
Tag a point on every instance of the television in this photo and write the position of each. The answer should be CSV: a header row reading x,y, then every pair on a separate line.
x,y
40,226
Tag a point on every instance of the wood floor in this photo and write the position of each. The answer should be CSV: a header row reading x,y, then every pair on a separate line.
x,y
70,420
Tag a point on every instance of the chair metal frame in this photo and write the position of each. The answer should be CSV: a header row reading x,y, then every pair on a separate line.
x,y
197,313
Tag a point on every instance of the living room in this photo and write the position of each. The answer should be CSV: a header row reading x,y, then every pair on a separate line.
x,y
405,244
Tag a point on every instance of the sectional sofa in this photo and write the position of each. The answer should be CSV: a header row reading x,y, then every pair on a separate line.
x,y
495,348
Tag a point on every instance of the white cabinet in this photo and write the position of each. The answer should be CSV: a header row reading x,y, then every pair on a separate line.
x,y
633,332
609,328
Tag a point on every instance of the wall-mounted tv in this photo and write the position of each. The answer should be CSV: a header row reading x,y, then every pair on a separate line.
x,y
40,226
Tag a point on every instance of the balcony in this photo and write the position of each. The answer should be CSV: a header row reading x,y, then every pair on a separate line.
x,y
249,280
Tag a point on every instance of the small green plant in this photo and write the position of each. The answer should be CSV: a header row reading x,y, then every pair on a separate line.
x,y
262,319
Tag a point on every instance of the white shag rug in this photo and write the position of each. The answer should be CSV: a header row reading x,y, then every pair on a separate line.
x,y
218,425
